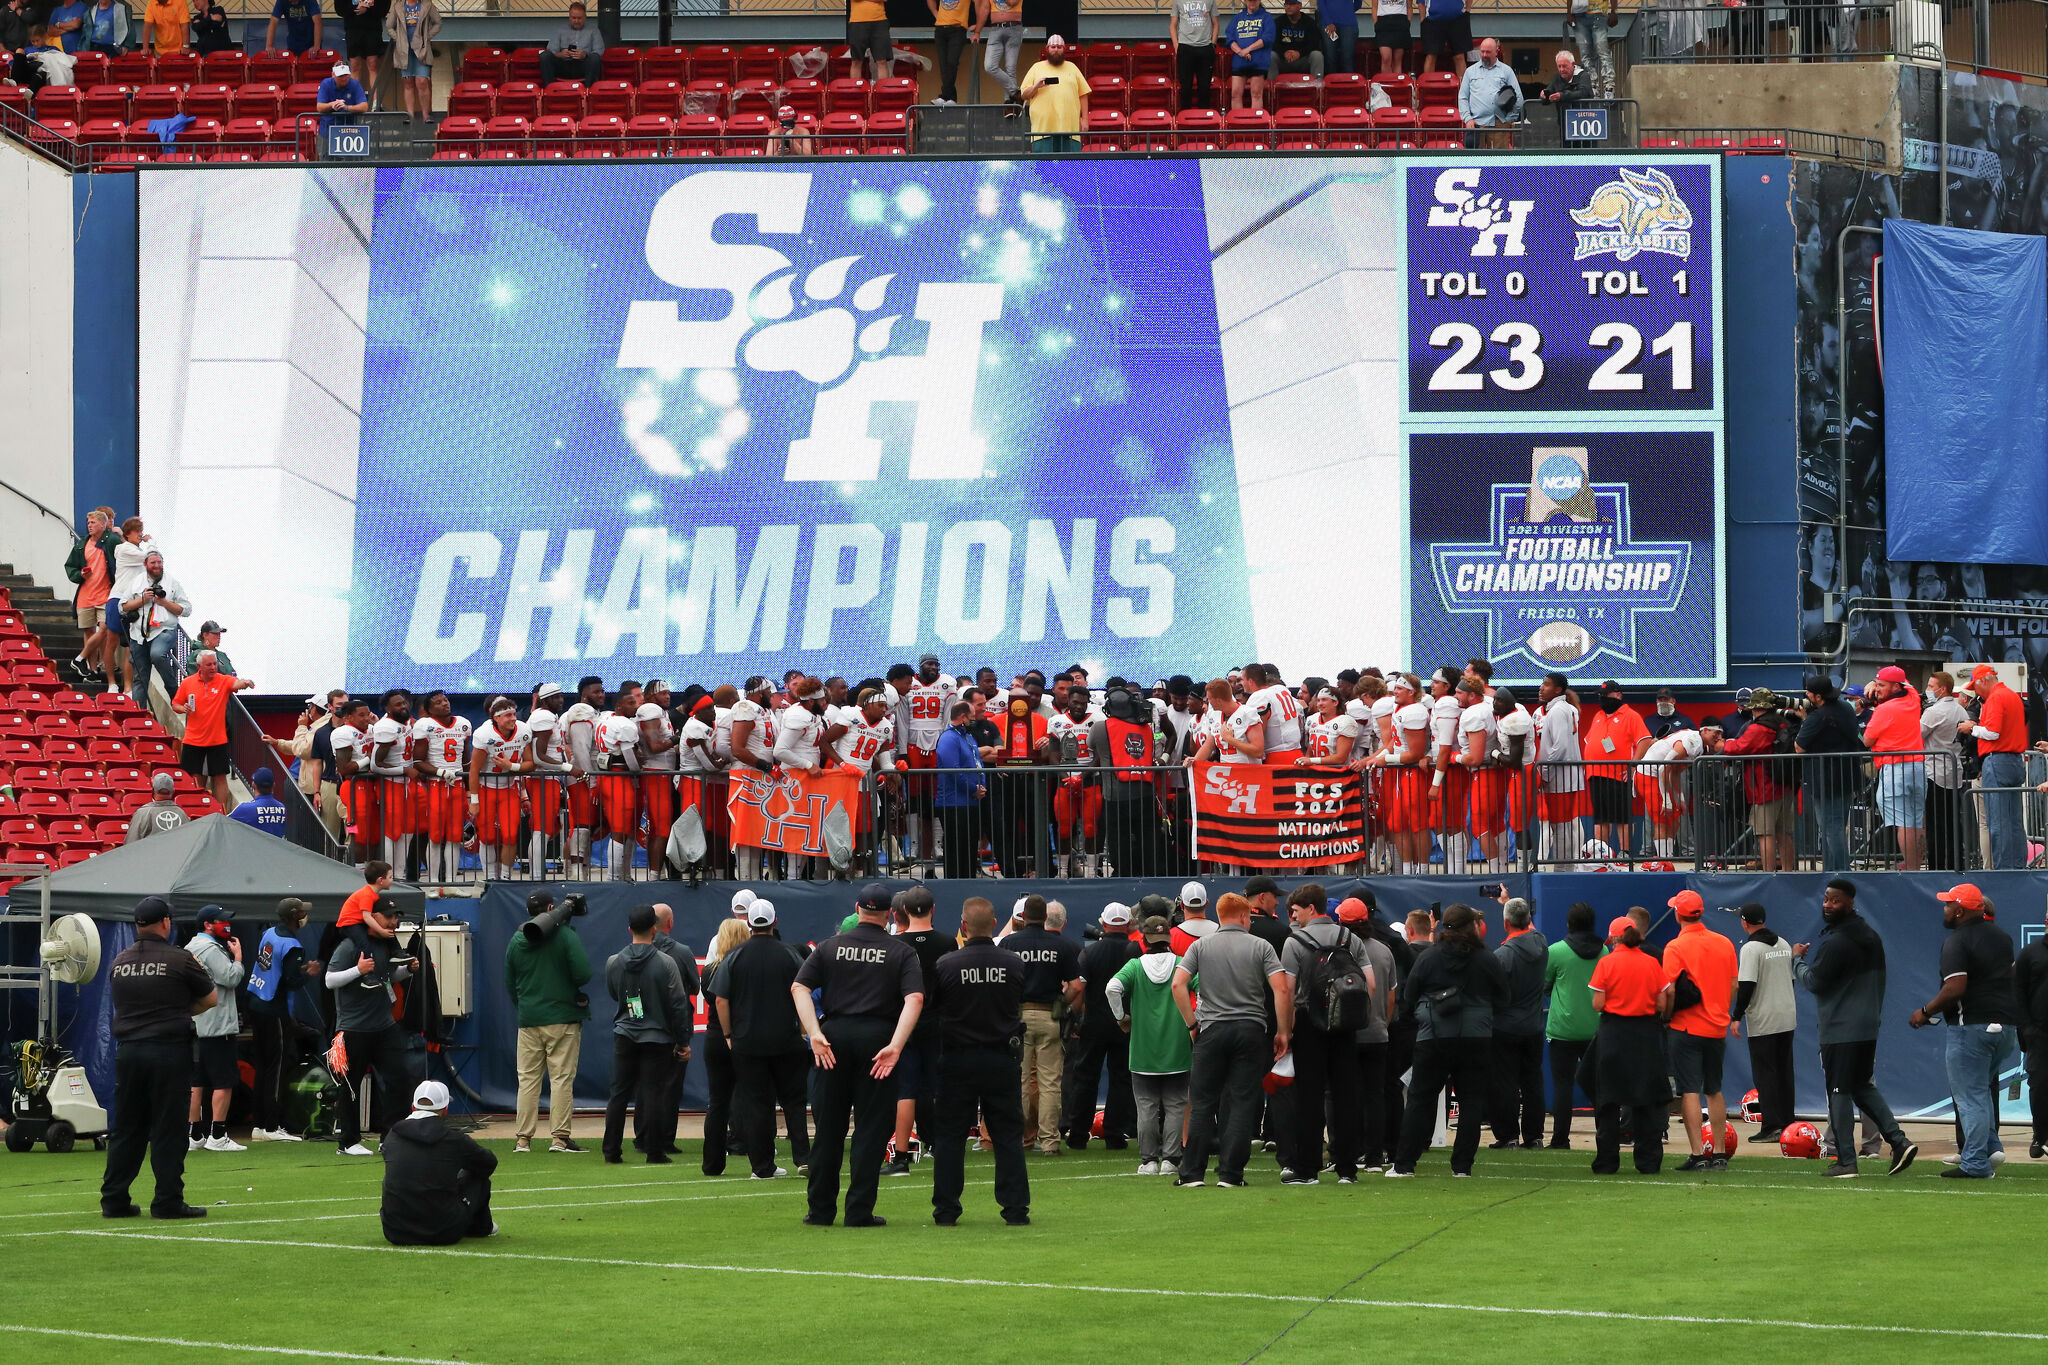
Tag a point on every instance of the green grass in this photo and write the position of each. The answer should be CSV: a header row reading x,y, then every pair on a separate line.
x,y
628,1263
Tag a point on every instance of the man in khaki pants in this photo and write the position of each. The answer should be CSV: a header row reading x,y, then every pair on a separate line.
x,y
545,972
1052,979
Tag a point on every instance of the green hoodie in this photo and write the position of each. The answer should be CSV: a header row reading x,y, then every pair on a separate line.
x,y
1142,989
1567,978
546,977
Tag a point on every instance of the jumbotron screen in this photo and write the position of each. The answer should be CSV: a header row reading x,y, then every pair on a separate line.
x,y
479,426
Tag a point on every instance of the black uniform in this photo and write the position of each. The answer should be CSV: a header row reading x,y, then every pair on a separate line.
x,y
671,1100
917,1072
771,1063
154,984
865,975
1101,1041
979,1000
437,1184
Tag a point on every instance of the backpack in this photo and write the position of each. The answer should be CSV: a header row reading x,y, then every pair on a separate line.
x,y
1330,991
1785,769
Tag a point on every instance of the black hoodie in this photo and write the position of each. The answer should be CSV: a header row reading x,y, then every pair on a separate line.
x,y
424,1161
1482,989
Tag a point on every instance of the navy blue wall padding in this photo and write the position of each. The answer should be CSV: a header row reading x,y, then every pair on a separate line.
x,y
1965,319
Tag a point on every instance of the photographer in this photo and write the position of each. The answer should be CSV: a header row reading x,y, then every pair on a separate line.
x,y
786,140
545,970
151,614
361,979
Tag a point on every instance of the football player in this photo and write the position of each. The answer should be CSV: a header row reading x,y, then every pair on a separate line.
x,y
1661,780
1278,711
618,776
439,739
390,746
702,783
751,747
927,703
1078,796
1484,809
1404,788
1449,786
356,789
1332,734
660,762
545,794
579,728
500,753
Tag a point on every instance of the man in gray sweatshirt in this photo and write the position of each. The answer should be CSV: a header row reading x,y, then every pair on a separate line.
x,y
361,979
213,1058
650,1031
1845,971
1518,1031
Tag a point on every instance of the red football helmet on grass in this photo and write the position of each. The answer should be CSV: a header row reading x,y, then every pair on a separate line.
x,y
1800,1139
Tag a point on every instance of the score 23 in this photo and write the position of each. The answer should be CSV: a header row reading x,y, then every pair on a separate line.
x,y
1524,368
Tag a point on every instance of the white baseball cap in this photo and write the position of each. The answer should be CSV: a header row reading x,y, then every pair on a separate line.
x,y
1115,915
760,913
1017,910
1193,894
741,899
430,1095
547,691
341,70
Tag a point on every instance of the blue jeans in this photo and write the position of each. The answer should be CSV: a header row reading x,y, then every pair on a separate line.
x,y
2002,809
1343,48
1975,1057
1588,32
158,654
1831,813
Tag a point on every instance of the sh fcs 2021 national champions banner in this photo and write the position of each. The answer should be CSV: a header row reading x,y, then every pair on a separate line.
x,y
696,422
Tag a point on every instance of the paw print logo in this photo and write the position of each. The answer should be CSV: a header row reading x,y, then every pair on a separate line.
x,y
1483,211
821,343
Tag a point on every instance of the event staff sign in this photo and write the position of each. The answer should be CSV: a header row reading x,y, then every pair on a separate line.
x,y
1562,418
531,421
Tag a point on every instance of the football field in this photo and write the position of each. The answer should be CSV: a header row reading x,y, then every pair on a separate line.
x,y
1534,1258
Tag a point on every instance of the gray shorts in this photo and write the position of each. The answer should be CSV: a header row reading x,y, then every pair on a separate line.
x,y
1696,1062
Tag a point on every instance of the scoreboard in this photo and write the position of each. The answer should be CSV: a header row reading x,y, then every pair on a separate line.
x,y
1561,414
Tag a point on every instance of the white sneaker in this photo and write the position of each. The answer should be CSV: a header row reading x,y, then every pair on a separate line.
x,y
224,1143
280,1135
493,1232
357,1150
1952,1159
1148,1168
193,1144
778,1171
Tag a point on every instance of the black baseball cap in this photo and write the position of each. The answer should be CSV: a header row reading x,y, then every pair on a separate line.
x,y
873,899
385,905
538,901
152,910
1752,913
1260,886
1610,686
216,914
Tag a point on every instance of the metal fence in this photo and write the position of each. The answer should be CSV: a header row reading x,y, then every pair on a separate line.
x,y
1998,37
1767,812
1859,151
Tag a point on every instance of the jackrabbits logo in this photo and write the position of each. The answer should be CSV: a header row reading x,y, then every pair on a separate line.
x,y
782,319
1639,212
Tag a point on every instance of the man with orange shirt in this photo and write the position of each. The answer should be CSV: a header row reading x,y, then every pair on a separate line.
x,y
867,36
1614,732
168,21
1892,732
1699,1030
203,700
2001,734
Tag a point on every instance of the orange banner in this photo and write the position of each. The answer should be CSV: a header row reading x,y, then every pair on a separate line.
x,y
789,812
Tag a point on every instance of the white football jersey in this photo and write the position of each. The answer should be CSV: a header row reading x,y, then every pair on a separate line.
x,y
550,741
501,748
927,709
1443,721
1324,734
618,737
350,743
1281,713
444,743
761,742
1072,737
864,745
799,737
1234,728
1476,720
695,737
579,730
1680,746
666,760
393,733
1382,733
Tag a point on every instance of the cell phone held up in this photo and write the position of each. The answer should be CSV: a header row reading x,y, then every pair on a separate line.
x,y
1050,80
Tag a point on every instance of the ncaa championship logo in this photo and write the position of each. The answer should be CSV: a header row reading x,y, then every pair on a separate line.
x,y
1639,212
1560,481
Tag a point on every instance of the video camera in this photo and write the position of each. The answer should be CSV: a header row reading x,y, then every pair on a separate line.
x,y
541,927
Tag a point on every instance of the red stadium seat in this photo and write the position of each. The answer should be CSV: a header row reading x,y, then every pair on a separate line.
x,y
1394,125
714,62
73,855
612,97
601,135
698,131
1347,128
1436,89
314,66
1768,146
747,135
157,101
665,64
62,749
112,833
197,804
272,68
22,829
1109,92
523,64
1714,144
888,131
1151,59
1151,92
708,95
15,725
89,69
142,726
134,801
1105,59
650,135
806,96
841,132
554,135
1105,132
182,781
1345,90
98,725
1398,89
1297,130
459,133
484,64
1294,91
107,102
848,95
247,136
756,97
662,97
563,97
131,68
210,101
1151,130
477,99
1198,130
42,804
177,68
892,94
760,64
117,704
619,64
260,100
53,103
1438,118
127,779
225,68
92,805
506,133
1248,130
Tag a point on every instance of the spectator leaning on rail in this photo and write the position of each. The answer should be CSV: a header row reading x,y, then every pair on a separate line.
x,y
1830,728
1489,96
1947,815
2001,734
1893,735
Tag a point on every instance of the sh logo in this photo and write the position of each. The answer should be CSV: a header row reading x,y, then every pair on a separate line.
x,y
1459,204
765,330
1242,796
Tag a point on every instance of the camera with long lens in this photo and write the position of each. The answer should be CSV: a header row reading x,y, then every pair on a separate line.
x,y
542,927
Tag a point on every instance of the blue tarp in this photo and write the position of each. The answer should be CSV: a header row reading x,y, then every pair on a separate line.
x,y
1966,395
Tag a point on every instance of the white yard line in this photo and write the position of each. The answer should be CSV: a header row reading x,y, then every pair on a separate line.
x,y
233,1347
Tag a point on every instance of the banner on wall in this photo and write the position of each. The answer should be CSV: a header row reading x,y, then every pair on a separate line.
x,y
1250,815
804,814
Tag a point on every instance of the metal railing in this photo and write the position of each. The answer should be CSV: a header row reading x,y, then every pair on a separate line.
x,y
1998,37
1857,151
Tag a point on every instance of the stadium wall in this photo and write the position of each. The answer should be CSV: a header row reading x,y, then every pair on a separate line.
x,y
36,324
103,344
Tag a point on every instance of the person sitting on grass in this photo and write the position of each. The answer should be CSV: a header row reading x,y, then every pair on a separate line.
x,y
437,1179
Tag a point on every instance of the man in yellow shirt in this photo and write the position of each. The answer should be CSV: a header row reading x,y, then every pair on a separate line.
x,y
949,37
1058,95
867,36
168,21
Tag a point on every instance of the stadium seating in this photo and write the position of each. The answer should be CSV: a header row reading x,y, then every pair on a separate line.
x,y
1347,128
1437,88
1198,130
1109,92
520,99
1297,130
1295,92
1152,92
806,96
1151,59
1105,131
1247,130
619,64
483,64
476,99
563,97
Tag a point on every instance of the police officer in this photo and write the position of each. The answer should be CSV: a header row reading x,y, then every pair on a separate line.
x,y
157,988
979,993
873,989
1052,985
